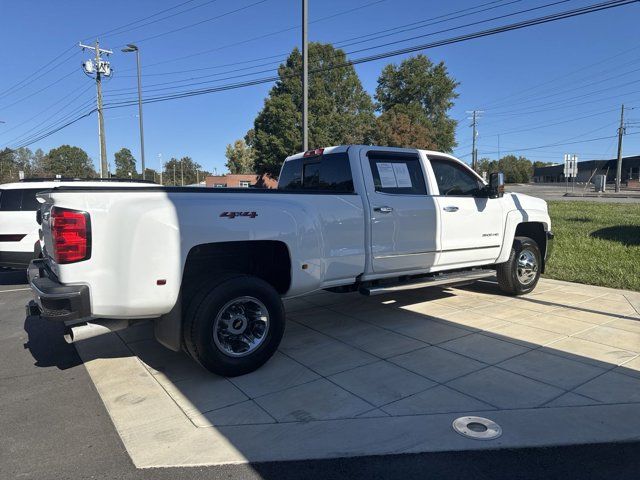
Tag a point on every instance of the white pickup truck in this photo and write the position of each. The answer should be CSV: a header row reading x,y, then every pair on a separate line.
x,y
211,266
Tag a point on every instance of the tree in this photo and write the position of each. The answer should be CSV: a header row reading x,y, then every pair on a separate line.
x,y
125,164
239,157
539,163
23,159
515,169
7,166
151,175
69,161
416,95
340,110
403,126
38,163
175,169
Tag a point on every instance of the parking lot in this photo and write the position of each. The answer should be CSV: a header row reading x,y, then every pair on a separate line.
x,y
556,191
358,376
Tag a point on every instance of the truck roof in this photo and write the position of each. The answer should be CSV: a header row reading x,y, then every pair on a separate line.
x,y
46,183
344,148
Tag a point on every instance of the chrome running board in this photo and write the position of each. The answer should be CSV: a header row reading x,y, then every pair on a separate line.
x,y
435,281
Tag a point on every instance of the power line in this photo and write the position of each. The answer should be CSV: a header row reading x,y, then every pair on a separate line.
x,y
567,14
30,78
64,107
562,144
56,130
26,138
38,115
567,102
545,125
395,42
576,86
41,90
191,25
43,71
112,32
283,55
462,38
431,20
259,37
564,76
348,53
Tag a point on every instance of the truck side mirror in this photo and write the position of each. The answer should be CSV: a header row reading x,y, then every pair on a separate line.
x,y
496,184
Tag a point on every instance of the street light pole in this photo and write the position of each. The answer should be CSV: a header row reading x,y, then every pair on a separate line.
x,y
305,77
133,48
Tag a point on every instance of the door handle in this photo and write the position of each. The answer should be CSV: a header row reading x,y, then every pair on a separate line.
x,y
450,209
383,209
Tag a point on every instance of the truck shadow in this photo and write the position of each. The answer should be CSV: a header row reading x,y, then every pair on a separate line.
x,y
47,346
9,276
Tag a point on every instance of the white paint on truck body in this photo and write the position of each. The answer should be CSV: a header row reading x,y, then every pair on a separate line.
x,y
139,237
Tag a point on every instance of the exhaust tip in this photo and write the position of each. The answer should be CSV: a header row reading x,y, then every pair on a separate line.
x,y
68,334
83,331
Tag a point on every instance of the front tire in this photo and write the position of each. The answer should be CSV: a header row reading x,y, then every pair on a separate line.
x,y
232,327
520,274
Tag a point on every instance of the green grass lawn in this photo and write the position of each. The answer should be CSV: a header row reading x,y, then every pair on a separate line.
x,y
596,243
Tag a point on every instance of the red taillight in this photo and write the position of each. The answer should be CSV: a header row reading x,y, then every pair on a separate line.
x,y
71,234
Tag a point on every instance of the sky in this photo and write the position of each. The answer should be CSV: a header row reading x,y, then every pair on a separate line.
x,y
543,91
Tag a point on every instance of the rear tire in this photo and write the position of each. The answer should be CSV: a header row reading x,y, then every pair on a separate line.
x,y
519,275
234,325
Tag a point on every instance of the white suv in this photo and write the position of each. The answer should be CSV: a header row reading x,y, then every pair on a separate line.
x,y
19,239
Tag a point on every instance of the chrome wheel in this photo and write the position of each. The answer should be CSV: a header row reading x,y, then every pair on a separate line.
x,y
241,326
527,267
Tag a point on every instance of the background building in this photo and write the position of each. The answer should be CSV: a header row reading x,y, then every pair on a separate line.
x,y
241,181
589,169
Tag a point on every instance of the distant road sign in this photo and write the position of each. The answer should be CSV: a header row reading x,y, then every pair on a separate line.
x,y
570,166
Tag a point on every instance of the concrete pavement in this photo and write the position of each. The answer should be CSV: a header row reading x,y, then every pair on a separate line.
x,y
54,425
371,376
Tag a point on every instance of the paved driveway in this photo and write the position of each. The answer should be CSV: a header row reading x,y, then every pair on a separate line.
x,y
551,191
364,376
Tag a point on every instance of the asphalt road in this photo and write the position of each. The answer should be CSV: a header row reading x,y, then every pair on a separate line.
x,y
53,426
556,191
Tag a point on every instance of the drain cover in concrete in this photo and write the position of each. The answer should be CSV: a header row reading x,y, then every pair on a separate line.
x,y
477,427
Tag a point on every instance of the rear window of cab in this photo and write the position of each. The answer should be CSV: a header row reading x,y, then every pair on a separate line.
x,y
329,172
19,200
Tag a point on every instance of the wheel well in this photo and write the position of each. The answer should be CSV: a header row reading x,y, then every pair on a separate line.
x,y
535,231
265,259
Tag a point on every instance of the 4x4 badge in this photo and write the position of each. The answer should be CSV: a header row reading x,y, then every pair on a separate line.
x,y
239,214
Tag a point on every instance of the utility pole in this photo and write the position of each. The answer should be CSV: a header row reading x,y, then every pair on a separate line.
x,y
174,174
161,167
305,77
619,165
100,68
474,150
181,172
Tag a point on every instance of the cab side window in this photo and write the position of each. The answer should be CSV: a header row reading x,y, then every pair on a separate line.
x,y
10,200
397,174
19,200
453,179
29,201
321,173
